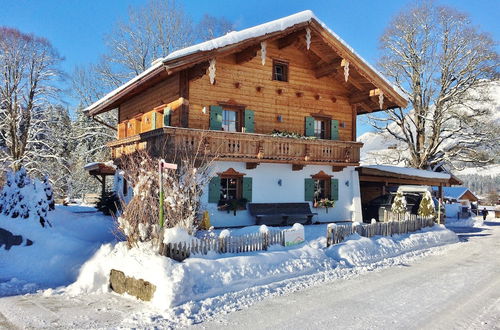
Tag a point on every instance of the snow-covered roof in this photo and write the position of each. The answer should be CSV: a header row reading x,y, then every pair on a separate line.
x,y
455,192
410,171
239,36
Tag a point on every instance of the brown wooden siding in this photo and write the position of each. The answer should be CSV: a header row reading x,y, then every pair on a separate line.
x,y
161,93
268,103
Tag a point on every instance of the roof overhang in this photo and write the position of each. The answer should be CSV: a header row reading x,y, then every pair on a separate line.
x,y
397,176
100,169
186,58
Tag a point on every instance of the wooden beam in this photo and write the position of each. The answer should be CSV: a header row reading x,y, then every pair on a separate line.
x,y
198,71
354,122
375,92
337,168
297,167
184,94
290,39
361,97
247,54
251,166
371,178
103,123
327,69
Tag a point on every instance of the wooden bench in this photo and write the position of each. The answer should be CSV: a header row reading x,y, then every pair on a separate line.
x,y
281,213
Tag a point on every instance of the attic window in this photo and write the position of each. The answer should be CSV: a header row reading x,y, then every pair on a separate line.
x,y
280,71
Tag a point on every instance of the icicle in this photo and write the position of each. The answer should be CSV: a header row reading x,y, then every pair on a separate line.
x,y
308,38
381,100
263,51
211,71
346,70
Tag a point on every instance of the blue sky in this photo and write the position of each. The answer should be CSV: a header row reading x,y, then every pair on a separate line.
x,y
77,27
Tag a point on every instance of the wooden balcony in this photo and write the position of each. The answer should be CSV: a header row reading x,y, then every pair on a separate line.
x,y
244,147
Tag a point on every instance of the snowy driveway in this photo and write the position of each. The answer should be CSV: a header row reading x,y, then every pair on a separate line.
x,y
457,288
454,286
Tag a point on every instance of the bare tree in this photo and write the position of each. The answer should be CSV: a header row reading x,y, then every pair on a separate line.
x,y
148,33
442,63
212,27
183,188
28,70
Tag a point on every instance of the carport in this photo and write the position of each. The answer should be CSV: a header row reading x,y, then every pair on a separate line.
x,y
377,180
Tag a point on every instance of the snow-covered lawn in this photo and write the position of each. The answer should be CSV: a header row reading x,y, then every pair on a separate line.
x,y
57,254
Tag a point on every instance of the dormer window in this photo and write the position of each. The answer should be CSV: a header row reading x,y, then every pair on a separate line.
x,y
280,71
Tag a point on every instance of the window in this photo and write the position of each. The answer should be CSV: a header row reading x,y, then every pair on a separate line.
x,y
280,71
230,188
322,186
322,189
320,128
230,121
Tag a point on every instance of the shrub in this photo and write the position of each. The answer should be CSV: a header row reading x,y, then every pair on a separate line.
x,y
22,197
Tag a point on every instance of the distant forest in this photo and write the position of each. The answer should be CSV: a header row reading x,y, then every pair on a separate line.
x,y
481,184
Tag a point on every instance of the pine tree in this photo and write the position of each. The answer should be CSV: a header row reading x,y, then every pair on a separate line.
x,y
426,208
24,198
399,204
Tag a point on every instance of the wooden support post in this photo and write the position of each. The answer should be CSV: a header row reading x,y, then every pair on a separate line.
x,y
103,187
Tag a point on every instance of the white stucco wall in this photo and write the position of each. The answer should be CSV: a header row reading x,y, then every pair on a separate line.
x,y
266,189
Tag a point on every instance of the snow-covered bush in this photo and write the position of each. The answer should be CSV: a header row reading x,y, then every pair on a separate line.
x,y
399,204
426,207
26,198
182,191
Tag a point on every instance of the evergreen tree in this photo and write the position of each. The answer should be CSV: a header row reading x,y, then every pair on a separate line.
x,y
426,208
399,204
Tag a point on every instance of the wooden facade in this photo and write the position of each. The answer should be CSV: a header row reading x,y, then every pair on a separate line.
x,y
324,82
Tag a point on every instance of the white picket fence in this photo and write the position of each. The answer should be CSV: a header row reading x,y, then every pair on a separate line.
x,y
337,234
229,244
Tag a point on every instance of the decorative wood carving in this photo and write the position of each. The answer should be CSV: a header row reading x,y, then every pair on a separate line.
x,y
211,71
230,172
263,52
321,175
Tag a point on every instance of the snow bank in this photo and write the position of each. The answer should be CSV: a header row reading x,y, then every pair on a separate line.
x,y
202,277
467,222
57,253
358,250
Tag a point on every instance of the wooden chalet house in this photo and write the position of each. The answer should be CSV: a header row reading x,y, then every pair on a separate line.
x,y
290,75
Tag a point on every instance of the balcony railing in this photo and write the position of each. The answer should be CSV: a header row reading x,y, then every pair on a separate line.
x,y
244,147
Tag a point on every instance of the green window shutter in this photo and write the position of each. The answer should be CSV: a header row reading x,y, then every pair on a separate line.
x,y
215,118
247,189
214,190
334,134
153,120
334,189
248,121
309,190
309,126
166,116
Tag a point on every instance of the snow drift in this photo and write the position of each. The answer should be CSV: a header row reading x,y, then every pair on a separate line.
x,y
201,277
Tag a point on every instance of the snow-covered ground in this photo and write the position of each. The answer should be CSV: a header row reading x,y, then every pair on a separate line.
x,y
58,252
454,287
193,291
437,287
